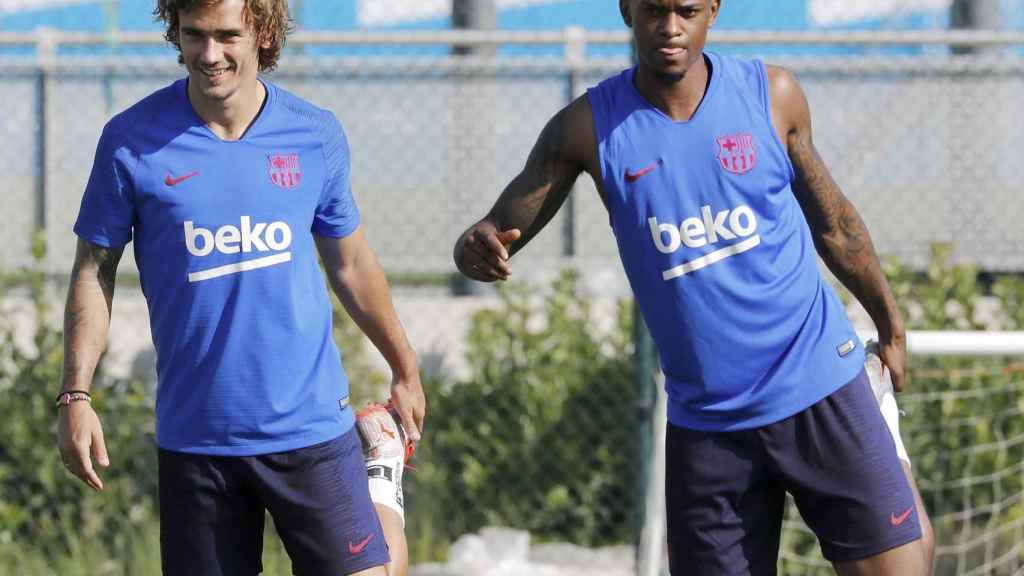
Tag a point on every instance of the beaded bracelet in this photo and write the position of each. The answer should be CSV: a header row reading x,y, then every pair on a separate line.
x,y
69,396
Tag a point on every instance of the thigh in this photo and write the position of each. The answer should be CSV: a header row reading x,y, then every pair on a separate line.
x,y
839,461
724,512
211,524
320,502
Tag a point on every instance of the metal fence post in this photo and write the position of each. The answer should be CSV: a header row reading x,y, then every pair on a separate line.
x,y
472,125
575,57
974,15
112,26
643,385
46,56
474,15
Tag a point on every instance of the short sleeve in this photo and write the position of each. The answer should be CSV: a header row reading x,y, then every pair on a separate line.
x,y
336,213
107,212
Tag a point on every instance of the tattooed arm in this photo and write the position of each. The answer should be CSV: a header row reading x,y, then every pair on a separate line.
x,y
565,148
840,236
86,321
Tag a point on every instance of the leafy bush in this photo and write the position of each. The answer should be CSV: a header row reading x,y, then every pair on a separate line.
x,y
540,437
43,508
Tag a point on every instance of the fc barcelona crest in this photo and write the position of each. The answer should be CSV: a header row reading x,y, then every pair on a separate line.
x,y
284,170
737,153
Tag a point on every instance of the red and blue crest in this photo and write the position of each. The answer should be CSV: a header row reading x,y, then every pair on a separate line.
x,y
284,170
737,153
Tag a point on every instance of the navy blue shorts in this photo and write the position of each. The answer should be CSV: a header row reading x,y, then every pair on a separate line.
x,y
212,511
725,491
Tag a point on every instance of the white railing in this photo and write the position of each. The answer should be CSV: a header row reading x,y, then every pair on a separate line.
x,y
961,343
45,37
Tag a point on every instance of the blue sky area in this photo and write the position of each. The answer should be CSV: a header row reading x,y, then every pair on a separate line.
x,y
593,14
597,14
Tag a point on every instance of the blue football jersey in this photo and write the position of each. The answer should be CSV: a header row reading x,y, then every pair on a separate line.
x,y
718,252
239,310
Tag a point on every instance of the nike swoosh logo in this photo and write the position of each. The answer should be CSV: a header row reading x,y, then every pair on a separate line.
x,y
897,520
634,176
172,181
357,548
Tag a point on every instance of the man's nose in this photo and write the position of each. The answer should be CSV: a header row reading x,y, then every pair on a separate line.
x,y
671,25
211,51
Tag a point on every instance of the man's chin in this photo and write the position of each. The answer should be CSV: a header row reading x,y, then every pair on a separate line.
x,y
211,91
669,74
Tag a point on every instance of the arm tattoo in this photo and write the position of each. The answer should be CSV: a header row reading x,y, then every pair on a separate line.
x,y
840,236
536,194
105,261
85,320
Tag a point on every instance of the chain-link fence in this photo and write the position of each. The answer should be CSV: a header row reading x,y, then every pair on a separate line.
x,y
925,145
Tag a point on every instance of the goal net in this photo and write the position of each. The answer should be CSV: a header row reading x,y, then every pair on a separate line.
x,y
963,426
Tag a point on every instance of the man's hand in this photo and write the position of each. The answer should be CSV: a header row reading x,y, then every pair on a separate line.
x,y
893,353
481,253
80,439
407,398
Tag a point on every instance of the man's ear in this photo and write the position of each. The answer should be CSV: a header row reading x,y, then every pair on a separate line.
x,y
627,17
716,7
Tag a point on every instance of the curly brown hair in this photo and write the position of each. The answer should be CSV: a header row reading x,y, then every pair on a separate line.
x,y
268,19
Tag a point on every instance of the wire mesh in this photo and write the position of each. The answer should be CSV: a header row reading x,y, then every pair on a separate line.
x,y
924,144
965,436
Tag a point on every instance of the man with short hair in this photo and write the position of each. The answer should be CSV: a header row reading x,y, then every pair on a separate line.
x,y
230,187
719,204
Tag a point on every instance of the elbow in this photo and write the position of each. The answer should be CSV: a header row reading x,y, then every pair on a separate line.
x,y
829,243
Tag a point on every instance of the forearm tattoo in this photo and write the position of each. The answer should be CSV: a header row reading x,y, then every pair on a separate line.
x,y
840,236
81,350
105,260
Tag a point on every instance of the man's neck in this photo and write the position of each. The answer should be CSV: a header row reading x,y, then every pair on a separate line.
x,y
230,118
678,98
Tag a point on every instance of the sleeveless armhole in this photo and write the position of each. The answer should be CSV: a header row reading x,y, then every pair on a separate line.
x,y
766,108
597,101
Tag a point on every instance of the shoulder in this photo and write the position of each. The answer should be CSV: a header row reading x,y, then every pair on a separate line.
x,y
295,109
736,66
320,123
749,73
782,84
789,104
608,93
127,126
578,114
576,128
608,103
611,83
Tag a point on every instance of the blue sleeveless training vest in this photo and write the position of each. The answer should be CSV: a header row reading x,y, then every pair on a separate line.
x,y
719,254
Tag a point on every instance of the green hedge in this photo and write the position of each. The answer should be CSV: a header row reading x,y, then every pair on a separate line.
x,y
539,436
